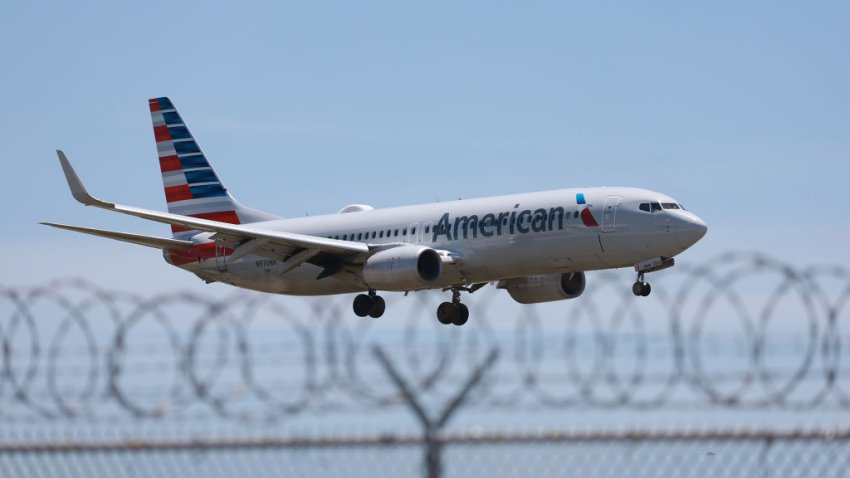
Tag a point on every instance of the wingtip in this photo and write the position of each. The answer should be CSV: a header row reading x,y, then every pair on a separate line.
x,y
78,190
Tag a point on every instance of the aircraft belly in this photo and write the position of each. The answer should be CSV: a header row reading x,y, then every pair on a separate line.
x,y
262,274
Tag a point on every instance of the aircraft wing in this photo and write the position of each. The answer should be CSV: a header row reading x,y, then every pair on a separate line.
x,y
248,235
150,241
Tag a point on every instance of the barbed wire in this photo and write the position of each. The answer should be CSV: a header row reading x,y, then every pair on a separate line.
x,y
744,330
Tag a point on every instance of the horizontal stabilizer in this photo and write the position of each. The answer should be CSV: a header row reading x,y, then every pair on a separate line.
x,y
150,241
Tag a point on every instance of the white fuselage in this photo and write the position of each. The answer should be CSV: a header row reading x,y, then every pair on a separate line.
x,y
490,238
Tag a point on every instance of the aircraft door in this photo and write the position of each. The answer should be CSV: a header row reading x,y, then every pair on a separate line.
x,y
609,213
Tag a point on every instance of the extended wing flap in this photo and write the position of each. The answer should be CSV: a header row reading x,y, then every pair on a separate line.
x,y
150,241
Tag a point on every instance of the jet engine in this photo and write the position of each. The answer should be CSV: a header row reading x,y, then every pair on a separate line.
x,y
403,268
544,288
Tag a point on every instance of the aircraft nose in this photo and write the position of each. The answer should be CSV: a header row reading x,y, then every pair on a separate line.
x,y
694,227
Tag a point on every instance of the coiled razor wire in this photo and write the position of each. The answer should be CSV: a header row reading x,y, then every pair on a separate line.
x,y
743,330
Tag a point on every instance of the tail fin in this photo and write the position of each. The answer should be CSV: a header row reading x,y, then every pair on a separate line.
x,y
192,188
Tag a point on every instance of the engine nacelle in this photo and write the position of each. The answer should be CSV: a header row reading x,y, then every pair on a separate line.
x,y
403,268
544,288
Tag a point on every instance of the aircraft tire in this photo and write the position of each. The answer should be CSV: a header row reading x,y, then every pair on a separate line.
x,y
641,289
445,313
362,305
378,307
461,315
637,289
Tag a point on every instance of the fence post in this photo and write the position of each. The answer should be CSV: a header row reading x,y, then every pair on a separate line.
x,y
763,459
431,428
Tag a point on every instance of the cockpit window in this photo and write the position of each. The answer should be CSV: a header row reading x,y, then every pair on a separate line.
x,y
655,207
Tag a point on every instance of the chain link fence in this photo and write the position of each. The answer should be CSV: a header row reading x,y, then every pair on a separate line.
x,y
101,382
754,453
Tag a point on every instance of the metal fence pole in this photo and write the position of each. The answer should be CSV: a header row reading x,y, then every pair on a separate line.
x,y
431,428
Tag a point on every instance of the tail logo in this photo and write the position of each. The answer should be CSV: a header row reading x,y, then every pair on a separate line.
x,y
191,186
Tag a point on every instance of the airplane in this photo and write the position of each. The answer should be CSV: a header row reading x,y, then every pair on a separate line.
x,y
536,246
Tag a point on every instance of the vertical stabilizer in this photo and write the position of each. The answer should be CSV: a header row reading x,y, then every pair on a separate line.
x,y
192,187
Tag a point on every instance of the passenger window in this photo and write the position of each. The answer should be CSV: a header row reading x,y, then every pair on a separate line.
x,y
396,232
575,215
413,231
381,234
656,207
373,234
345,237
404,232
389,232
427,229
644,206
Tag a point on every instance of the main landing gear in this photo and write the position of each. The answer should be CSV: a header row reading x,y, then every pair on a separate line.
x,y
454,312
448,313
372,305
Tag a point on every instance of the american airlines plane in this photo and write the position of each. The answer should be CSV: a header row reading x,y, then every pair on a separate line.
x,y
536,246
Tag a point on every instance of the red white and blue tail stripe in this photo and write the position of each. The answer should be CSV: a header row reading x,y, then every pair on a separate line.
x,y
192,188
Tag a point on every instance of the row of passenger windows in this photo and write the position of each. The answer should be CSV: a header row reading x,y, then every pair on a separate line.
x,y
361,236
655,207
376,234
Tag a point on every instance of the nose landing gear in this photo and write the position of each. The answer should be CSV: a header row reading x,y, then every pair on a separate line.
x,y
372,305
641,288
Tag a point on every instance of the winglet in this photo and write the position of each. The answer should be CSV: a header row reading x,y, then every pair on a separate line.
x,y
77,189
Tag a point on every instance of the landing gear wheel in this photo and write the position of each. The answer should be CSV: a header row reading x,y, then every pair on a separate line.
x,y
445,313
641,289
378,306
454,312
461,314
362,305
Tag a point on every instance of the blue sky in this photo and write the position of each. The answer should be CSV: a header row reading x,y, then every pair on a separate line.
x,y
737,109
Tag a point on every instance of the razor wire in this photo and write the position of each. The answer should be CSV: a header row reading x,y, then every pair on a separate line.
x,y
72,349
